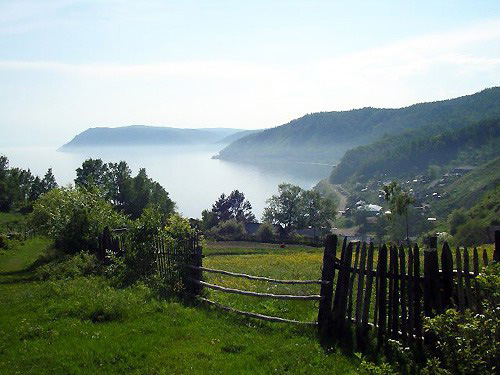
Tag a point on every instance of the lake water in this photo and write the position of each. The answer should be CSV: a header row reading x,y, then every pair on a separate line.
x,y
193,179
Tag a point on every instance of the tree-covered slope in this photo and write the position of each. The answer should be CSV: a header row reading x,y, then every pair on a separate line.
x,y
412,152
141,135
326,136
470,188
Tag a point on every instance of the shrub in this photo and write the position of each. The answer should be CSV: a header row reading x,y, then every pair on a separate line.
x,y
472,233
468,343
266,232
69,267
74,218
229,230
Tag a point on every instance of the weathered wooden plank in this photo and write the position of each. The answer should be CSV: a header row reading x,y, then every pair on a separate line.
x,y
361,284
263,278
255,315
447,276
395,295
485,259
417,315
382,296
390,301
431,279
256,294
411,294
460,281
468,288
351,283
404,282
326,292
340,303
368,292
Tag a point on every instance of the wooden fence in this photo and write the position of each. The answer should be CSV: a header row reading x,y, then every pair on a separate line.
x,y
389,289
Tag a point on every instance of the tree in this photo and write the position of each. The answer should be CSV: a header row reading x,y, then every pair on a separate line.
x,y
399,201
318,211
285,209
93,173
234,206
295,208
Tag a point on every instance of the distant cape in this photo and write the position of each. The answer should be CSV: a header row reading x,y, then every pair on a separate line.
x,y
142,135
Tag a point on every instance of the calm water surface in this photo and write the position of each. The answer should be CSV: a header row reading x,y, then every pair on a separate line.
x,y
193,179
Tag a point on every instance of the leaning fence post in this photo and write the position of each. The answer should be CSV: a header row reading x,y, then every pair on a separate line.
x,y
431,278
496,254
327,277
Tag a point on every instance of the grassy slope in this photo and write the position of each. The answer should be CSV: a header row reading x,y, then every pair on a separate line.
x,y
467,190
49,327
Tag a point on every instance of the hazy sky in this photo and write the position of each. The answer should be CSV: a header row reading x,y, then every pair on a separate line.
x,y
67,65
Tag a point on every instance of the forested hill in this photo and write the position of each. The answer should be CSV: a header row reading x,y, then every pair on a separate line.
x,y
141,135
413,152
325,136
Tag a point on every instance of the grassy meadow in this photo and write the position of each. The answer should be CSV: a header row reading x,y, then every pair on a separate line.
x,y
84,326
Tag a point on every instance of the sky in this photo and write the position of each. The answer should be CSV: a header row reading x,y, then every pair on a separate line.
x,y
67,65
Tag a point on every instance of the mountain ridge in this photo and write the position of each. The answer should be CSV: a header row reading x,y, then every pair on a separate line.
x,y
146,135
326,136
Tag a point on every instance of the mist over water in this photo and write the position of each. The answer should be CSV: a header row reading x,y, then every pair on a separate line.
x,y
193,179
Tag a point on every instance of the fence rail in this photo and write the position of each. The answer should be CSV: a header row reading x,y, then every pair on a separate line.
x,y
387,290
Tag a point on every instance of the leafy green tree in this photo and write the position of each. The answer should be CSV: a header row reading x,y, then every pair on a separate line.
x,y
233,206
318,211
266,232
93,172
399,201
285,209
74,218
208,219
295,208
456,219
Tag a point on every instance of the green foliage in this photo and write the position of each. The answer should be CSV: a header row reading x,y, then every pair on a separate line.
x,y
456,219
126,193
468,343
74,218
473,232
229,230
232,207
266,232
420,151
295,208
69,267
208,220
19,188
325,136
399,201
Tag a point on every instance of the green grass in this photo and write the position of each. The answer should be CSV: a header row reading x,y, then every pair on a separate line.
x,y
82,326
9,220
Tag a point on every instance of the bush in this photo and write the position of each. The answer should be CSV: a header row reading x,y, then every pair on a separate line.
x,y
468,343
74,218
266,232
69,267
472,233
229,230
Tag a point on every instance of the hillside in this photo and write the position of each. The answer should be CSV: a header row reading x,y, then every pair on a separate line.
x,y
141,135
472,187
411,154
326,136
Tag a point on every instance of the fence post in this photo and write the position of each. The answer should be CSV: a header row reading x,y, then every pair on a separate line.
x,y
196,274
496,254
447,268
431,278
327,277
382,296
